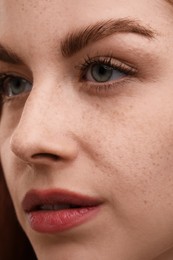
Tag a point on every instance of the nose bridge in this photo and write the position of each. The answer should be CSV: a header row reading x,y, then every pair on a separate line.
x,y
44,110
45,126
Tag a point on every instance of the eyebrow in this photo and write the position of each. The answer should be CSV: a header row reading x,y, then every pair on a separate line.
x,y
78,40
8,56
170,1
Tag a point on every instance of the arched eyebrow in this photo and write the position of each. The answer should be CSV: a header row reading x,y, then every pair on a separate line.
x,y
76,41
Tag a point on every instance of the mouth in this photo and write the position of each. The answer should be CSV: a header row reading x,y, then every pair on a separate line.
x,y
55,207
52,211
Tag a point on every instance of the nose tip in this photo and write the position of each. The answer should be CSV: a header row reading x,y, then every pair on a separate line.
x,y
42,149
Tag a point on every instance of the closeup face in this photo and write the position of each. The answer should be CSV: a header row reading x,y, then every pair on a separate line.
x,y
86,131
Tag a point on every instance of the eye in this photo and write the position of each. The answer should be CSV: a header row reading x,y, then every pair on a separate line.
x,y
11,86
103,73
104,70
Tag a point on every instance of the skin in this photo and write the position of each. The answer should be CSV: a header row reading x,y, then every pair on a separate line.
x,y
115,145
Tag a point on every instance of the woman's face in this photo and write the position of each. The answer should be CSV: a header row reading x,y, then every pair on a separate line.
x,y
87,126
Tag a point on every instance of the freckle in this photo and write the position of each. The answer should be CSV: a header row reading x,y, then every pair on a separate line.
x,y
97,105
145,202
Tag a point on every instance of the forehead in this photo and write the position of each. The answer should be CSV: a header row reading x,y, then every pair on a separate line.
x,y
65,11
42,21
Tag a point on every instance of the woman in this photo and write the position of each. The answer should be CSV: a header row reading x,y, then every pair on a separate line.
x,y
86,127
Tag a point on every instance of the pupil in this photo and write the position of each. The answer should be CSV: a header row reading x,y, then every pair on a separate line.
x,y
102,70
16,85
101,73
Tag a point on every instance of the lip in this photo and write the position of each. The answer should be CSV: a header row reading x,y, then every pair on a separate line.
x,y
57,210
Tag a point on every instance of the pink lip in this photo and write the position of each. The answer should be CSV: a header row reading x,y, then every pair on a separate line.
x,y
42,217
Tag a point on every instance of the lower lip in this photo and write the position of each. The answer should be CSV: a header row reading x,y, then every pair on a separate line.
x,y
58,221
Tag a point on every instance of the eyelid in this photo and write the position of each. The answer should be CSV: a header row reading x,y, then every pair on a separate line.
x,y
108,60
16,74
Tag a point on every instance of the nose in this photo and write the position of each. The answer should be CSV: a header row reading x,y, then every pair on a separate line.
x,y
45,131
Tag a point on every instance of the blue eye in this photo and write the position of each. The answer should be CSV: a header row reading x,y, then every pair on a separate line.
x,y
101,73
11,86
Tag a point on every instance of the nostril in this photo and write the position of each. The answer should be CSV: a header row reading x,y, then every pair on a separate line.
x,y
47,156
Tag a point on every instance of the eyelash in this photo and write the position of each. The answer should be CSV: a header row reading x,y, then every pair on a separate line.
x,y
3,78
92,87
109,61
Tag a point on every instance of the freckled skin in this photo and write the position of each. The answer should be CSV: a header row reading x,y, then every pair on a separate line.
x,y
117,147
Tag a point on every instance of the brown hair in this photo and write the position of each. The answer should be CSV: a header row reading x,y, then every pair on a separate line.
x,y
14,243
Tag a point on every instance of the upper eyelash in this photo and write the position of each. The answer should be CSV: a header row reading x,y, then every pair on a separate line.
x,y
108,61
3,76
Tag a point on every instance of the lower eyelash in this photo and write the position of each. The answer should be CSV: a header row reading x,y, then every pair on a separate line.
x,y
106,90
94,88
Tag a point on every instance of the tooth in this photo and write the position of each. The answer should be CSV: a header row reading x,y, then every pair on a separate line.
x,y
59,207
46,207
54,207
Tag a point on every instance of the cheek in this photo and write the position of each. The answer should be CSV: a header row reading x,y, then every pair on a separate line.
x,y
10,117
8,170
135,165
134,156
137,157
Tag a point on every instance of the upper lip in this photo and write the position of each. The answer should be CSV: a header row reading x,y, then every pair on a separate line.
x,y
35,199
